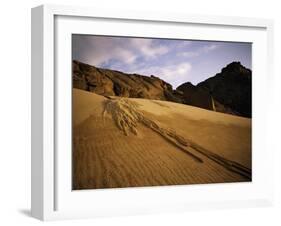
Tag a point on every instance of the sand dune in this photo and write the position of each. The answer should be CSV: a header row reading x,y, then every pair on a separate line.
x,y
127,142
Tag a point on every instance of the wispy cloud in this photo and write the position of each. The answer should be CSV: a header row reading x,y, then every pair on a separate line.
x,y
208,48
100,50
188,54
147,48
175,74
202,50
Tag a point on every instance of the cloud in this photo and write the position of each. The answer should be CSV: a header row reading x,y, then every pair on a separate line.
x,y
209,48
147,47
188,54
124,55
98,50
174,74
202,50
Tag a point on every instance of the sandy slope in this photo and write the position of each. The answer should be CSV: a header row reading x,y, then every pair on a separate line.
x,y
121,142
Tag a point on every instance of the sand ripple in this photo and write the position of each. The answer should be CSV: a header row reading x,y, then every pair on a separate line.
x,y
127,115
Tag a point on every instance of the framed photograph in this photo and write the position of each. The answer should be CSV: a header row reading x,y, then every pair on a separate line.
x,y
138,112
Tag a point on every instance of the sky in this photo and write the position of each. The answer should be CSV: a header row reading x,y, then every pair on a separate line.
x,y
174,61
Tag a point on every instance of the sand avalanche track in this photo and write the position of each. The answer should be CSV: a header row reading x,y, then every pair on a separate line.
x,y
122,142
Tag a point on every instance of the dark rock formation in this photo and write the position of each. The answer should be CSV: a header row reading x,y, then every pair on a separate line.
x,y
229,91
200,97
232,88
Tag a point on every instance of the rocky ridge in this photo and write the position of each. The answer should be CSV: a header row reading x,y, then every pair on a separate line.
x,y
228,91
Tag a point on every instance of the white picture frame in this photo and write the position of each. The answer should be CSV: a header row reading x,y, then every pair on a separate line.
x,y
52,197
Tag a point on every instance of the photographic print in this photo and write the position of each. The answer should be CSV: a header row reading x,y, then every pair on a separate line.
x,y
156,112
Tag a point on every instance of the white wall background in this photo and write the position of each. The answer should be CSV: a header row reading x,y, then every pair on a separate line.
x,y
15,112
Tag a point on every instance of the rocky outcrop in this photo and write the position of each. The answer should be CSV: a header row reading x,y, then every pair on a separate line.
x,y
229,91
115,83
200,97
232,88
